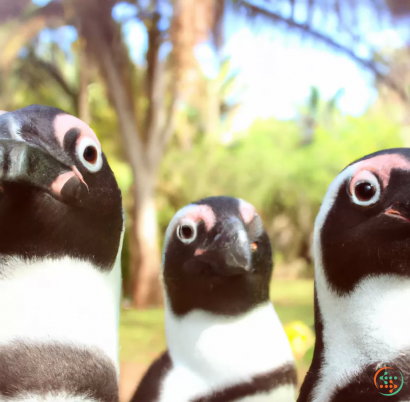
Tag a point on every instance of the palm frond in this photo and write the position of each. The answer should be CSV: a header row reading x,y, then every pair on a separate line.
x,y
271,14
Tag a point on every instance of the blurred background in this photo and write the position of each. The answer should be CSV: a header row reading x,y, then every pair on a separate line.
x,y
266,100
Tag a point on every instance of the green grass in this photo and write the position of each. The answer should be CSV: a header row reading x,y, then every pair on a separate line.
x,y
293,300
292,292
142,335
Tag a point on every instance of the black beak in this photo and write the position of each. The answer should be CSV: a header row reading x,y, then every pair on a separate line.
x,y
400,211
27,164
230,252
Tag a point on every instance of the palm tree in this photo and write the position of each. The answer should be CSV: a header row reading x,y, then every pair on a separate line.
x,y
146,131
317,111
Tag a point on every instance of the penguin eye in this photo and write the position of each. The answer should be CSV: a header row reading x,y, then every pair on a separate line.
x,y
89,154
186,232
365,188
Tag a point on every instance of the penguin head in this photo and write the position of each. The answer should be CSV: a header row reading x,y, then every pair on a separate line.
x,y
58,195
217,257
363,227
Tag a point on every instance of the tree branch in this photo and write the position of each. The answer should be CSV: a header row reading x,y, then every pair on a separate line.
x,y
83,77
26,28
56,75
154,82
159,122
292,9
169,126
399,8
98,29
12,9
310,11
163,133
308,30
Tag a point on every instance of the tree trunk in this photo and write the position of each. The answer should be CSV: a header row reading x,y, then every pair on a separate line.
x,y
83,107
145,253
144,152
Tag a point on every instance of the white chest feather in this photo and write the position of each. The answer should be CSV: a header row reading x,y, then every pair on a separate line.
x,y
281,394
211,352
63,300
59,397
369,325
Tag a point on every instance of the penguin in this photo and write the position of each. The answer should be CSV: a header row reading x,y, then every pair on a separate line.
x,y
362,284
224,339
61,220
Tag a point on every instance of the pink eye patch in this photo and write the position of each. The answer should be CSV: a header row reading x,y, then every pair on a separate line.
x,y
381,165
65,122
197,213
247,211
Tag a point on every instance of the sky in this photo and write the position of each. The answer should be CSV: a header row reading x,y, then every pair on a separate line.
x,y
277,71
279,75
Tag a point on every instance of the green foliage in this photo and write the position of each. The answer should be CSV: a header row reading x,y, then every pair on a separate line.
x,y
268,167
283,168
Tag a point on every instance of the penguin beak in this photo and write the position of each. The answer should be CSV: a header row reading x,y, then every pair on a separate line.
x,y
230,252
399,211
26,164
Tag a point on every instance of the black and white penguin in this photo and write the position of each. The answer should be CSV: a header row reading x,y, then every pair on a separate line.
x,y
225,341
61,225
362,283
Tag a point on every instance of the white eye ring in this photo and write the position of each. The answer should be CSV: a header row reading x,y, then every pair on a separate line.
x,y
186,231
365,177
84,143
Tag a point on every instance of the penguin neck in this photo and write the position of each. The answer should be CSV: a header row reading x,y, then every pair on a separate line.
x,y
368,325
214,346
221,296
64,301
